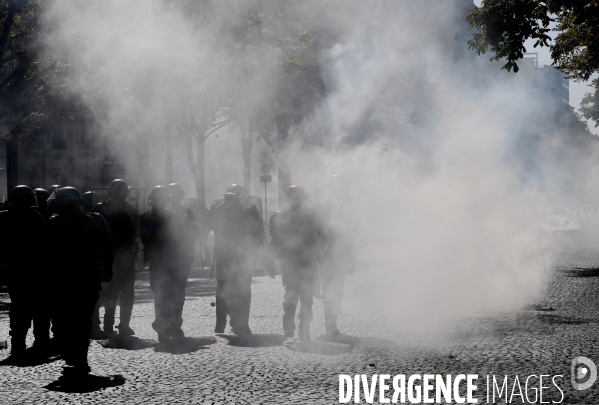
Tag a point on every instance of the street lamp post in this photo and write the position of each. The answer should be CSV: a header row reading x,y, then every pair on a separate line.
x,y
265,177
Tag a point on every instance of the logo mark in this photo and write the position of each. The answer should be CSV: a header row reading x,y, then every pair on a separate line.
x,y
584,373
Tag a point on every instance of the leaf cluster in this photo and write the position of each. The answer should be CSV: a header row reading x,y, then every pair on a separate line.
x,y
504,25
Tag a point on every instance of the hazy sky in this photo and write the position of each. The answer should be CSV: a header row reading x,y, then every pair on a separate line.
x,y
577,90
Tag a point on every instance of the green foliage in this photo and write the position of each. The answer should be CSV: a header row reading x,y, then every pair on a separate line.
x,y
33,90
504,25
18,24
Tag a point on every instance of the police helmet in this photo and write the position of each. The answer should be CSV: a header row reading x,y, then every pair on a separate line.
x,y
235,191
296,194
159,195
21,196
116,186
42,194
68,195
176,190
53,188
41,197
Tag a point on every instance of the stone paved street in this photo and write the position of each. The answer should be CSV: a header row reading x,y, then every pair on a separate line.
x,y
220,369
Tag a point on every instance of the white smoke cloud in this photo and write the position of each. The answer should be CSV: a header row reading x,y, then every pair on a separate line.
x,y
425,151
441,202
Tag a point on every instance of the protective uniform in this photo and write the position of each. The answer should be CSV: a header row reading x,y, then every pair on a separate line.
x,y
161,232
204,220
191,225
81,246
340,253
20,229
297,237
238,238
123,222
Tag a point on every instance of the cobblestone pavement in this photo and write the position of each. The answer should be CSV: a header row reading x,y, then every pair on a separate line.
x,y
208,368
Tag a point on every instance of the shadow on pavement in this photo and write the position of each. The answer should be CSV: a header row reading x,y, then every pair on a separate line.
x,y
368,342
561,319
30,358
582,273
185,345
316,347
84,384
128,343
255,340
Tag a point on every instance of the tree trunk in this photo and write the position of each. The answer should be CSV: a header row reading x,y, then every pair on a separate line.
x,y
198,173
282,155
246,148
12,163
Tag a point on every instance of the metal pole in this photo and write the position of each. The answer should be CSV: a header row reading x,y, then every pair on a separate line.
x,y
265,206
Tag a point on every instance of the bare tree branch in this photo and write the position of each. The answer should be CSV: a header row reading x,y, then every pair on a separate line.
x,y
216,128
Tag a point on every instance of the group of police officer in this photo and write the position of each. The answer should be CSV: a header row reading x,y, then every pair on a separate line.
x,y
63,259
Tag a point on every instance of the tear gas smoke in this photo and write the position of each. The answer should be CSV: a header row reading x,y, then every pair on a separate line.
x,y
451,221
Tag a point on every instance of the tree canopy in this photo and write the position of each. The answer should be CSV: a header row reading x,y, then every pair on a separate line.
x,y
504,26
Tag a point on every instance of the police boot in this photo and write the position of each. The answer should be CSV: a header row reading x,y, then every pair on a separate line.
x,y
288,326
304,333
220,326
125,330
18,346
108,323
242,331
161,331
41,347
333,334
289,320
175,331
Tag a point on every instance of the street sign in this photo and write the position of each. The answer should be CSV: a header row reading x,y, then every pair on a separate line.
x,y
265,169
266,178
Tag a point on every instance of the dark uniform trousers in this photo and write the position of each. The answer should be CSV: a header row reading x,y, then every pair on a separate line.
x,y
27,306
73,313
299,286
333,279
169,298
233,297
120,289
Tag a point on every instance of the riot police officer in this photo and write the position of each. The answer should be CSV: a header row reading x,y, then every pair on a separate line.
x,y
239,238
162,235
297,237
81,247
123,222
191,226
21,228
341,233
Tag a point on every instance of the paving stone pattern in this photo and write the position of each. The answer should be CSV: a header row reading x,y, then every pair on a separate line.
x,y
269,369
